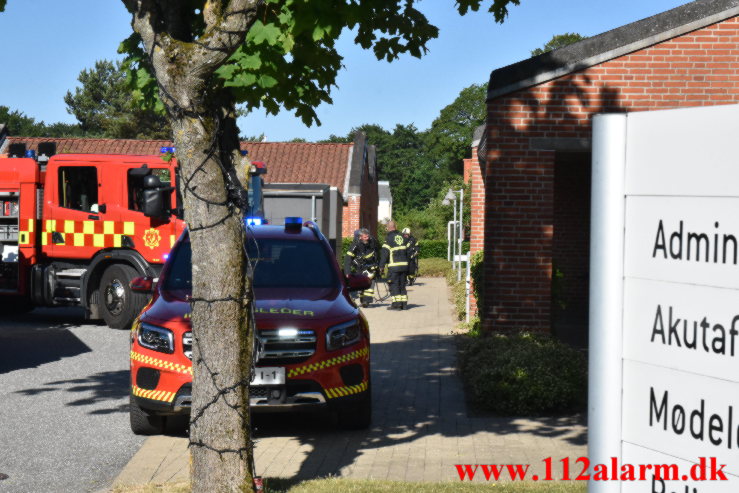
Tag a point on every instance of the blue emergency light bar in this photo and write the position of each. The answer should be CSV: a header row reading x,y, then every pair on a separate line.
x,y
165,150
254,221
31,153
293,224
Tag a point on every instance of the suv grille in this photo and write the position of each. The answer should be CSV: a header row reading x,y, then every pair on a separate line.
x,y
287,349
277,349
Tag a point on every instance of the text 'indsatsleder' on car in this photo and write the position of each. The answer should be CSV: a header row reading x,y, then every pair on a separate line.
x,y
315,341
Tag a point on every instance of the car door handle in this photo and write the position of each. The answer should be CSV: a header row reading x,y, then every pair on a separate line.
x,y
93,217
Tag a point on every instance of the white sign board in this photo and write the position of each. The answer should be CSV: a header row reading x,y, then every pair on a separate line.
x,y
664,321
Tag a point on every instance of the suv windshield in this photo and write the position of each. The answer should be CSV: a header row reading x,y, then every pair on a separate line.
x,y
280,263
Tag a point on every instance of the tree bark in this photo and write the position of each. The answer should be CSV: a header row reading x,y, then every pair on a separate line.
x,y
206,139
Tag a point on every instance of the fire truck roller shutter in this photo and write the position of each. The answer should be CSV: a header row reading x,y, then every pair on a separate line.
x,y
118,304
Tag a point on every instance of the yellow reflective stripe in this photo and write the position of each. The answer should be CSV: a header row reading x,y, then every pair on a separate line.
x,y
156,395
344,391
369,255
30,225
350,254
396,264
158,363
302,370
401,247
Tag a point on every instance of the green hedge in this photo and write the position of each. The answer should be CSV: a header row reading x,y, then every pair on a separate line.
x,y
523,373
437,248
477,273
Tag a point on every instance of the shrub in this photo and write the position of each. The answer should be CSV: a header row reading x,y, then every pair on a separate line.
x,y
477,272
473,327
523,373
437,248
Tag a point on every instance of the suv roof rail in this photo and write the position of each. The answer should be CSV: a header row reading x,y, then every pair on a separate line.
x,y
314,227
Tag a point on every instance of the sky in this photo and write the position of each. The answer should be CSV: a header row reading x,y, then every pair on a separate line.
x,y
45,44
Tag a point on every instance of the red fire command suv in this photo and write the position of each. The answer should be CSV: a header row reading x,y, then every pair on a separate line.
x,y
315,341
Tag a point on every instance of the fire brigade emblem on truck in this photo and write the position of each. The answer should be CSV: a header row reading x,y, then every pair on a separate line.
x,y
152,238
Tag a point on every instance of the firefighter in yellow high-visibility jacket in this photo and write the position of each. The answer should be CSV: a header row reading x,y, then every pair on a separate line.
x,y
361,258
394,256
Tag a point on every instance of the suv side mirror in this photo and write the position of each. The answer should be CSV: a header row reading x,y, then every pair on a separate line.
x,y
142,284
357,282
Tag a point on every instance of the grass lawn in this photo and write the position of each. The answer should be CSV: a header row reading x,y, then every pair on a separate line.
x,y
337,485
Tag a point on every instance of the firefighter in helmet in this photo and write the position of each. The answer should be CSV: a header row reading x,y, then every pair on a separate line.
x,y
413,250
394,256
361,258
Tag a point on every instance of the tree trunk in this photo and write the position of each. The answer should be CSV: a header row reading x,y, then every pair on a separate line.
x,y
206,138
219,428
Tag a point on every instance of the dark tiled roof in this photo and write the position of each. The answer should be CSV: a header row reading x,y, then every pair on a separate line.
x,y
299,162
609,45
287,162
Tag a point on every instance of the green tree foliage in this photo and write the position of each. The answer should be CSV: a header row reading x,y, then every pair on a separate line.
x,y
103,106
19,124
417,163
558,41
430,222
450,135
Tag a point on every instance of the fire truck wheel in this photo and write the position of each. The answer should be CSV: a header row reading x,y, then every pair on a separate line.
x,y
118,304
358,415
143,422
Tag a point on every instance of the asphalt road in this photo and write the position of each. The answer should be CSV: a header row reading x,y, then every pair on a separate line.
x,y
63,403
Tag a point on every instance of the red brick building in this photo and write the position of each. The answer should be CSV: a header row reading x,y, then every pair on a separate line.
x,y
351,168
536,151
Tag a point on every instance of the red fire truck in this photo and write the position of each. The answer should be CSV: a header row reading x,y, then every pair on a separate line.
x,y
75,229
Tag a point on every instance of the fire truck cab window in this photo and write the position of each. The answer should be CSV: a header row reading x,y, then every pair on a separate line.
x,y
136,185
78,188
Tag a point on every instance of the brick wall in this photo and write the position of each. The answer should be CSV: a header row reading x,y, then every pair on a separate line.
x,y
352,215
697,69
473,175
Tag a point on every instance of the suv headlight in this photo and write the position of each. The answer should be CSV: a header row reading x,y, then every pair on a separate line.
x,y
343,335
156,338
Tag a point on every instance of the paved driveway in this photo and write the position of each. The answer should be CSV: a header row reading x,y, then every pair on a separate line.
x,y
420,427
63,403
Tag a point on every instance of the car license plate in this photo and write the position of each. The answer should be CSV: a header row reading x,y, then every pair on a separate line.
x,y
269,375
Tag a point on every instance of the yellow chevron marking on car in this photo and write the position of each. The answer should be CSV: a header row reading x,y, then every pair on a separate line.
x,y
155,395
166,365
344,391
302,370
